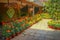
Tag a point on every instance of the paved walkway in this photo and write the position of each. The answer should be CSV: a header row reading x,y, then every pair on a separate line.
x,y
39,31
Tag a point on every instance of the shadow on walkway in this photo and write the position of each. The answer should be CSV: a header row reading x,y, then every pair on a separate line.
x,y
35,34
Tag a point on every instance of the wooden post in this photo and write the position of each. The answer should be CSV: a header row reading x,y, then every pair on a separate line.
x,y
1,17
33,11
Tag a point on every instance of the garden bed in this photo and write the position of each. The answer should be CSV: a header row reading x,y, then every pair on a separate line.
x,y
17,26
54,24
52,27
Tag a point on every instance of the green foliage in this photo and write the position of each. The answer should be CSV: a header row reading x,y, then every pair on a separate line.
x,y
14,26
10,12
4,30
17,26
53,8
54,23
45,15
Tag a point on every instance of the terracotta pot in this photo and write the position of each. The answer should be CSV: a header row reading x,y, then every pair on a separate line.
x,y
3,23
18,33
7,38
20,20
58,28
10,37
53,27
13,36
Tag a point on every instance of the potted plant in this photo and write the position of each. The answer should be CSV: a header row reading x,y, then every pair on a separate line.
x,y
17,26
53,8
54,24
6,31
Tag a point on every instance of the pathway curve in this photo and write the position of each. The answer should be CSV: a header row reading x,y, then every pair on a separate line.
x,y
39,31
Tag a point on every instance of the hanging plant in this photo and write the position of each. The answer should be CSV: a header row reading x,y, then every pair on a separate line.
x,y
10,12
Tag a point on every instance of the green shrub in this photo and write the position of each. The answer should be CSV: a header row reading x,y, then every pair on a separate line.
x,y
53,8
54,23
46,15
4,30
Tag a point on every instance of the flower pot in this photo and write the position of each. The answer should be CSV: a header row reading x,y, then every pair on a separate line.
x,y
20,20
3,23
58,28
13,35
51,27
54,27
7,38
18,33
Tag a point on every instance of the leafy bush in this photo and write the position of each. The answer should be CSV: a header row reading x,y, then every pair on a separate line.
x,y
54,23
45,15
6,30
53,8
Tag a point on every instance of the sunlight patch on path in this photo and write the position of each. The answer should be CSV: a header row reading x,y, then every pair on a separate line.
x,y
42,25
39,31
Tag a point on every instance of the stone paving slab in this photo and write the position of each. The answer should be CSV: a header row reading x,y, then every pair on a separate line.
x,y
39,31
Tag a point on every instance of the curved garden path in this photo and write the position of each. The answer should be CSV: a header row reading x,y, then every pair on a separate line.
x,y
39,31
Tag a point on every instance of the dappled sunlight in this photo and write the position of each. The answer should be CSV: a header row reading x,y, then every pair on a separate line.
x,y
42,25
39,31
37,34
